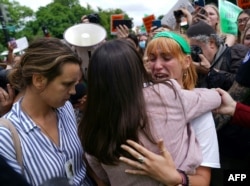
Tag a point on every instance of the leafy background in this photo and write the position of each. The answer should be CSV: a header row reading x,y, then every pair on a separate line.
x,y
56,16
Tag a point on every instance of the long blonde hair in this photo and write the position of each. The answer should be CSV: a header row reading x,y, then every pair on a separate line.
x,y
217,27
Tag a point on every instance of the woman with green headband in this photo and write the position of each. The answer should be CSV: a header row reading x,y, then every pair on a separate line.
x,y
124,103
168,56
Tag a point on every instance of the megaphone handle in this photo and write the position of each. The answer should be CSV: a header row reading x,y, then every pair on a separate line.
x,y
89,54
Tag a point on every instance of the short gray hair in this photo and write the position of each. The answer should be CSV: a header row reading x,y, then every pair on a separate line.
x,y
205,39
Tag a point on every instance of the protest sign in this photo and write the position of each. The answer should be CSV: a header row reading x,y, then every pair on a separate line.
x,y
228,16
169,18
244,4
147,21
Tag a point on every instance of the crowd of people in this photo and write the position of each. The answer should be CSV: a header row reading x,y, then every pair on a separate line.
x,y
169,107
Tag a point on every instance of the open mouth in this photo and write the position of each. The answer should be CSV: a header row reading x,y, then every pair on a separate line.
x,y
161,76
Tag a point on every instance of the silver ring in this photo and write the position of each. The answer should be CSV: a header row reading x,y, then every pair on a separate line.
x,y
141,159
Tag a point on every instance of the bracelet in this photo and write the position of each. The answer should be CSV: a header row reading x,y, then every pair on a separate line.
x,y
185,178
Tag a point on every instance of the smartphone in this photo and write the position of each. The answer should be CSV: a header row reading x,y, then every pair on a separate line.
x,y
203,12
178,14
127,22
156,23
195,51
199,2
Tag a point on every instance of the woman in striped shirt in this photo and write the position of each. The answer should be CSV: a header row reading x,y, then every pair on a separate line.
x,y
43,117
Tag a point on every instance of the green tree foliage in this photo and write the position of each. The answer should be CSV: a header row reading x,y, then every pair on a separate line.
x,y
105,16
19,15
57,17
69,3
61,14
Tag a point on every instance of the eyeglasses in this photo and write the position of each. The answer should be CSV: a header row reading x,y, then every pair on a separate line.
x,y
243,20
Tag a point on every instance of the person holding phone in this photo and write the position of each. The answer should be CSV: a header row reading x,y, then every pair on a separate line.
x,y
156,23
179,14
210,14
122,31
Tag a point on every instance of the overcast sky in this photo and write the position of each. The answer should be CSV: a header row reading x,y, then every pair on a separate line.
x,y
134,8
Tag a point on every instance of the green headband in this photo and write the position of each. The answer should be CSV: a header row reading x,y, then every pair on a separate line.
x,y
179,39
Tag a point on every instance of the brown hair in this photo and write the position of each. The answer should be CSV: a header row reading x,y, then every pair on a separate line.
x,y
213,6
44,56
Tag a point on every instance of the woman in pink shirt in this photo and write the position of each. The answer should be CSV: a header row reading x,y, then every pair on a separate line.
x,y
164,60
124,103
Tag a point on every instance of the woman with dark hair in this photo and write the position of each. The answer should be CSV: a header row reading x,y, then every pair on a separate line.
x,y
133,38
245,40
123,103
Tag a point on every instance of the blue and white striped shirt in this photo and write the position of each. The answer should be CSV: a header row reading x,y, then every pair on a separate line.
x,y
42,159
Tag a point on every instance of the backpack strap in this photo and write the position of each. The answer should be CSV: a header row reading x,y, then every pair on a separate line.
x,y
15,137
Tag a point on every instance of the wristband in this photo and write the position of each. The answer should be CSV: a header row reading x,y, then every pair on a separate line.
x,y
185,179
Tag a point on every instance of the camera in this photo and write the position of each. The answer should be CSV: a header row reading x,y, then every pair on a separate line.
x,y
178,13
93,18
195,51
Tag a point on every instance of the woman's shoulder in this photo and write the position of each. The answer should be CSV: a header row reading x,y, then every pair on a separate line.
x,y
203,122
67,107
162,88
168,83
67,113
229,39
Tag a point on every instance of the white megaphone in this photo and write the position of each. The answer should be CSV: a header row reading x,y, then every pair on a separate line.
x,y
84,37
